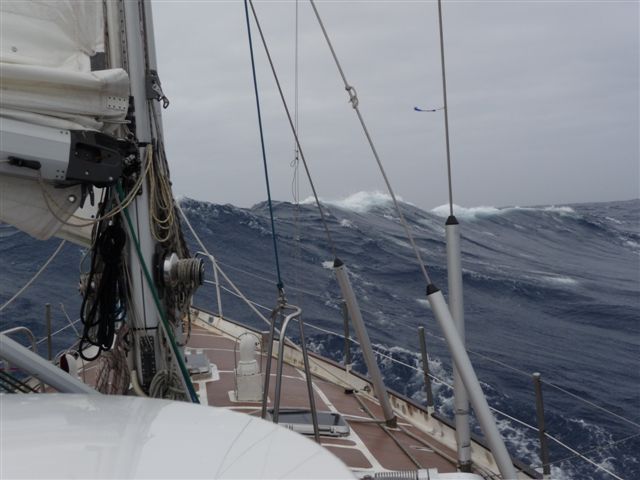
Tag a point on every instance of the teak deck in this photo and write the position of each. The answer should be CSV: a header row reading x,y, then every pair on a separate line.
x,y
368,445
420,441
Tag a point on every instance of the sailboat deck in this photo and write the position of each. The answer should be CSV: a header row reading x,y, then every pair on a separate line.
x,y
420,441
368,445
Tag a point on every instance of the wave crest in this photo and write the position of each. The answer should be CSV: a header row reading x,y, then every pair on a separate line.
x,y
471,213
466,213
359,202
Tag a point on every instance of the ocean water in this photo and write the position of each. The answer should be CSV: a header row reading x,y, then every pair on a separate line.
x,y
549,289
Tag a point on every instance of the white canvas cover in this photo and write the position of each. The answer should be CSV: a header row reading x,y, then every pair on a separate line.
x,y
46,79
23,205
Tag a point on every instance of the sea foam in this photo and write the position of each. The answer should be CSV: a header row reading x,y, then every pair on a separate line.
x,y
360,202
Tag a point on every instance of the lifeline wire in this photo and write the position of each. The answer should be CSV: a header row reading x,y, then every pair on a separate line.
x,y
264,155
295,134
35,276
353,98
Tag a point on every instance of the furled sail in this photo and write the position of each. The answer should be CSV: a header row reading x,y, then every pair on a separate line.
x,y
54,85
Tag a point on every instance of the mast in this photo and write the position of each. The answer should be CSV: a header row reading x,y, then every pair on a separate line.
x,y
161,280
148,357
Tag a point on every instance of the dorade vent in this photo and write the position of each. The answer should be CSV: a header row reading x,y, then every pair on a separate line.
x,y
248,372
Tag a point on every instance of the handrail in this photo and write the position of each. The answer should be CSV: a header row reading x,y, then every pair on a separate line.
x,y
294,315
40,368
29,333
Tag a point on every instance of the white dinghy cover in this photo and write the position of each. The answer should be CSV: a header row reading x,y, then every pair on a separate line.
x,y
46,79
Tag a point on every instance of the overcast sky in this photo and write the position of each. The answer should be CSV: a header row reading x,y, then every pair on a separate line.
x,y
543,100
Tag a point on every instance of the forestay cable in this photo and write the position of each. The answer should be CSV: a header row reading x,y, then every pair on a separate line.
x,y
264,154
353,98
295,134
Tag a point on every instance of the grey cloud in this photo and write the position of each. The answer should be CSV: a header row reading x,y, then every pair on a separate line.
x,y
543,100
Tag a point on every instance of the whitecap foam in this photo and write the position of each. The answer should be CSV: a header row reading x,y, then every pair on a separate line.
x,y
328,264
400,243
360,202
346,223
471,213
614,220
560,280
465,213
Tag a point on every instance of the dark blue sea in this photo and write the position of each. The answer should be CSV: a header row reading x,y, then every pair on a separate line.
x,y
549,289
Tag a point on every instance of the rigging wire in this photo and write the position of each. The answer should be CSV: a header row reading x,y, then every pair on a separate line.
x,y
586,459
295,183
575,454
413,367
295,134
353,99
595,449
280,285
441,339
445,108
486,357
35,276
215,263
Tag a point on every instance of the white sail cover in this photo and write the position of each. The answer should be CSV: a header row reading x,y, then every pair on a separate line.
x,y
46,78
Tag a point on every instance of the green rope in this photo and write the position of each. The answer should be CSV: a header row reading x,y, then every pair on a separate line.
x,y
165,324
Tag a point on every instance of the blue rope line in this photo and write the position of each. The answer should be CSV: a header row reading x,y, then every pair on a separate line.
x,y
264,155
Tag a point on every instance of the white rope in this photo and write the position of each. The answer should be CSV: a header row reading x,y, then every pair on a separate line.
x,y
162,218
33,279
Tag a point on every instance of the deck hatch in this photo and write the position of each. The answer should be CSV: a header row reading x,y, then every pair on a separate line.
x,y
299,420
